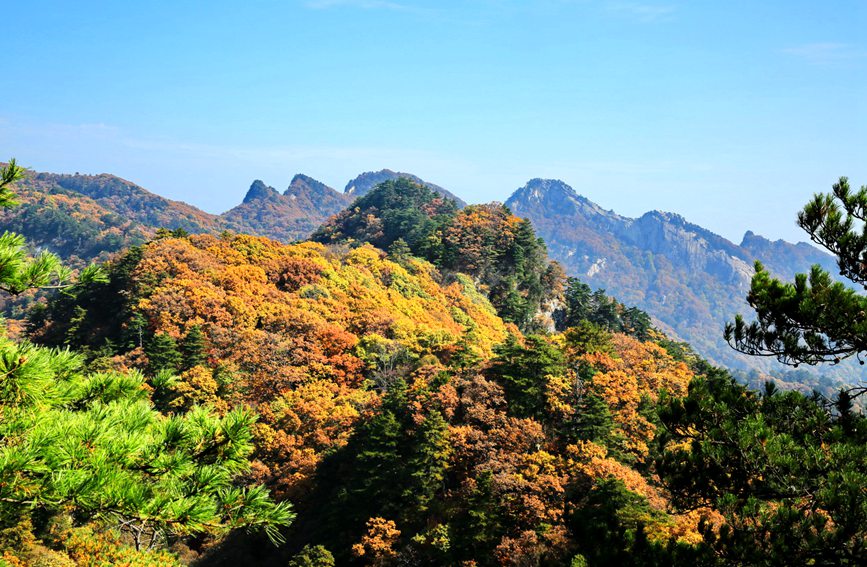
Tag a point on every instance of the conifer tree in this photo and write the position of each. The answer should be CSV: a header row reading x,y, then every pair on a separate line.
x,y
18,271
193,348
815,319
163,354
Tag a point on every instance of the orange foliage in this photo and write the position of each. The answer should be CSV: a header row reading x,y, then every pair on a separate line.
x,y
301,426
378,544
636,371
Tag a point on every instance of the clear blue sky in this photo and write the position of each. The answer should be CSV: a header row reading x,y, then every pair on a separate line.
x,y
730,113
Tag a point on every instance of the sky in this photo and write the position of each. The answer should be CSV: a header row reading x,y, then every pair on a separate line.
x,y
732,114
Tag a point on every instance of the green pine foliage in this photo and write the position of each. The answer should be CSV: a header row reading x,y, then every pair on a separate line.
x,y
524,370
815,319
786,471
194,348
580,304
94,441
163,354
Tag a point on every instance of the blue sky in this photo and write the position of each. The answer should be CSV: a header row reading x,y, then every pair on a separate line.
x,y
730,113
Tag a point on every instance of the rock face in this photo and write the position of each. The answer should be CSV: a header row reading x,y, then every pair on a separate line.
x,y
689,279
362,184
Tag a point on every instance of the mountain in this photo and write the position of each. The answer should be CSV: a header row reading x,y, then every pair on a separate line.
x,y
362,184
385,395
126,199
485,242
77,227
54,202
292,215
689,279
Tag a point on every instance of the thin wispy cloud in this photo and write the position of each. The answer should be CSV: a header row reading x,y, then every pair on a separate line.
x,y
827,53
642,11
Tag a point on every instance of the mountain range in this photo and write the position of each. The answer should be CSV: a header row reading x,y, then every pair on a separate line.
x,y
690,280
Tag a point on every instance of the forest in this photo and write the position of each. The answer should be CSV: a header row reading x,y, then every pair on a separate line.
x,y
416,384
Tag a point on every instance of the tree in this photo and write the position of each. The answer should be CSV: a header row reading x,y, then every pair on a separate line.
x,y
785,470
94,442
524,371
194,348
312,556
162,352
786,473
815,319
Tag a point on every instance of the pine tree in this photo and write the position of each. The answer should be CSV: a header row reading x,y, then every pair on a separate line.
x,y
163,354
814,319
18,271
194,348
523,371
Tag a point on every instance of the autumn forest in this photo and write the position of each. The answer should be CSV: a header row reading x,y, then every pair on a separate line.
x,y
416,383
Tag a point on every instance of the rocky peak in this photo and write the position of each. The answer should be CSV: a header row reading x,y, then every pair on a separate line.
x,y
305,184
259,191
557,198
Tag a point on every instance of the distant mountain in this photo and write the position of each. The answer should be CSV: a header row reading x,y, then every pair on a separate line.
x,y
689,279
362,184
292,215
126,199
76,227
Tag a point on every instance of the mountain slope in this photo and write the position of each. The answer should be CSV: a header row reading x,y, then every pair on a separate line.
x,y
292,215
689,279
128,200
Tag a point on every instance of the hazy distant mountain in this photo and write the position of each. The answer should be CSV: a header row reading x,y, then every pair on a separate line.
x,y
362,184
689,279
292,215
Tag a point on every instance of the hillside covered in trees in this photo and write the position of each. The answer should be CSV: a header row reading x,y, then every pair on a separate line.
x,y
417,385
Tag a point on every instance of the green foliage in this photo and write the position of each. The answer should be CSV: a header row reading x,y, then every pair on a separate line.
x,y
163,354
523,371
588,337
814,319
394,466
9,174
395,209
93,441
18,271
593,421
193,348
93,444
500,251
88,315
582,304
312,556
784,469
